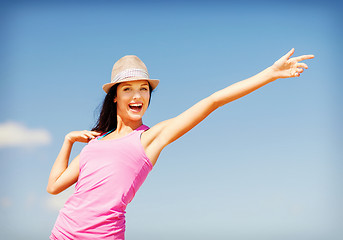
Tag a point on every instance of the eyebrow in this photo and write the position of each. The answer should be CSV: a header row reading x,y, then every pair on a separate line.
x,y
128,84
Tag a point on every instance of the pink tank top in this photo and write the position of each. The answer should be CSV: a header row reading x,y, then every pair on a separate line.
x,y
111,172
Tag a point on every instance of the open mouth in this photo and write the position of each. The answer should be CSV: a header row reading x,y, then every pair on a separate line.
x,y
136,107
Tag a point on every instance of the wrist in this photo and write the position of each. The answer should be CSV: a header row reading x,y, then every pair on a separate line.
x,y
68,139
271,73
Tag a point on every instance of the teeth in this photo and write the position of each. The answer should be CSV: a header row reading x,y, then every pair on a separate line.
x,y
136,105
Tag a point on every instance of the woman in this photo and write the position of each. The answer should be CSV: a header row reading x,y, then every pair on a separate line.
x,y
121,151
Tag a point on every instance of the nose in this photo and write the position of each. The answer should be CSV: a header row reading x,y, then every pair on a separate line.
x,y
137,95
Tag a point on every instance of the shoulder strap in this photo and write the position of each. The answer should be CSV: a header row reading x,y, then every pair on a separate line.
x,y
142,128
105,134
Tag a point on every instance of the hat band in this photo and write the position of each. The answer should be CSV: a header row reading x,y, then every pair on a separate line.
x,y
131,72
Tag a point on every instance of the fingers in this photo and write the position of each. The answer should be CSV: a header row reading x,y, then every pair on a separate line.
x,y
91,134
289,54
302,65
297,72
298,59
88,135
303,57
299,69
291,67
95,133
81,136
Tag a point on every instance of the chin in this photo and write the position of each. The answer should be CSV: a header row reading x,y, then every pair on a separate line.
x,y
135,117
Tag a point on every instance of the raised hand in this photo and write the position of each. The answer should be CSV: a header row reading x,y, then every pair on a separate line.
x,y
287,67
81,136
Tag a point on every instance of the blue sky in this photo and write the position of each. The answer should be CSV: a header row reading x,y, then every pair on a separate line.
x,y
267,166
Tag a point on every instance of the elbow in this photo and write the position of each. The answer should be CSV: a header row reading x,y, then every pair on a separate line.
x,y
215,100
52,190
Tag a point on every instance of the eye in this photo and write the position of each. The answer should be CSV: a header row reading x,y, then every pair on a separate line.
x,y
126,89
144,89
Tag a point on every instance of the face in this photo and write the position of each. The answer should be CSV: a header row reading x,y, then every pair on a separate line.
x,y
132,99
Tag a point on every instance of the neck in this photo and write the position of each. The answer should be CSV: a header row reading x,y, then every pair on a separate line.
x,y
127,126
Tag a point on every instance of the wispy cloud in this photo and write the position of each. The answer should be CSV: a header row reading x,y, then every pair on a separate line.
x,y
14,134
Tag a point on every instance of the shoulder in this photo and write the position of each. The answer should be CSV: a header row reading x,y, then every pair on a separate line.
x,y
151,134
153,141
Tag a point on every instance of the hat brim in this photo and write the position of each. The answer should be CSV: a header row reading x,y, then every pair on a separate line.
x,y
153,83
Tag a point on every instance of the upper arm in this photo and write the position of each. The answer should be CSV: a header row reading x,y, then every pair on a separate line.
x,y
164,133
178,126
67,178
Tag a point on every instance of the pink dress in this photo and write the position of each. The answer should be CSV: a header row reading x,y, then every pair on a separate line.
x,y
111,172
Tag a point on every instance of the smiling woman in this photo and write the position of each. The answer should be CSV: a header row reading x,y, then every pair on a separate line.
x,y
107,120
132,100
121,151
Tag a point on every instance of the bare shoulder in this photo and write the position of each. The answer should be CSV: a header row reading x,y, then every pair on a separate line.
x,y
153,133
152,142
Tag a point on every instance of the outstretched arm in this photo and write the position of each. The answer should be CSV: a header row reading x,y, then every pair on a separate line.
x,y
168,131
285,67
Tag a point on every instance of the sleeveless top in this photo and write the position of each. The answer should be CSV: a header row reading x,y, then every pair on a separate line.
x,y
111,172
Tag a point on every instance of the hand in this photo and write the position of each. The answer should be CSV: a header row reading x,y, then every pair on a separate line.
x,y
81,136
287,67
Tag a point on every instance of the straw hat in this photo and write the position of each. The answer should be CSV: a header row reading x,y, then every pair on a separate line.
x,y
129,68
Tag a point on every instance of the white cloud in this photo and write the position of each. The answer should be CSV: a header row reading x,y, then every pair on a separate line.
x,y
14,134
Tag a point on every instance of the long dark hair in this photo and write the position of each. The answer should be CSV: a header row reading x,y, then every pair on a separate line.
x,y
108,116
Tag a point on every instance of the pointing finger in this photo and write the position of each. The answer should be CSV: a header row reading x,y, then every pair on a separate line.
x,y
303,57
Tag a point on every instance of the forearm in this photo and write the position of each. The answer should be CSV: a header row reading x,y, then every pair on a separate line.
x,y
61,162
242,88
